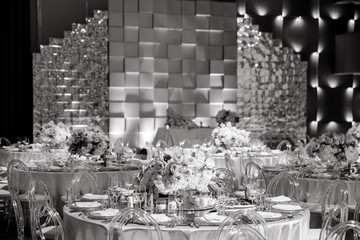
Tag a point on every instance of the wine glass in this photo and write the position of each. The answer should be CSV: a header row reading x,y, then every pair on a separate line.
x,y
179,199
261,185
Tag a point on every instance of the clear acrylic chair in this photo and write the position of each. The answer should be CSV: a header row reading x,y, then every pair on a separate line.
x,y
19,191
243,232
83,182
290,189
242,218
126,216
309,199
338,214
228,164
339,231
252,170
39,192
336,192
284,143
46,223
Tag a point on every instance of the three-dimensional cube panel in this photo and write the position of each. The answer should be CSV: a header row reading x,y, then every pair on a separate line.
x,y
131,95
147,124
131,50
202,109
216,23
146,50
202,66
146,80
131,5
160,122
117,5
174,66
188,81
161,95
160,20
188,51
116,94
174,36
132,65
161,81
216,81
177,107
174,21
160,6
116,49
217,67
216,96
202,38
215,108
160,35
201,96
230,95
229,9
116,34
188,95
161,109
175,81
146,95
174,51
117,79
131,110
188,36
188,110
147,65
160,51
203,8
131,34
202,52
175,95
116,109
131,19
161,65
229,39
132,80
147,110
117,125
188,66
216,38
116,19
188,7
202,81
146,20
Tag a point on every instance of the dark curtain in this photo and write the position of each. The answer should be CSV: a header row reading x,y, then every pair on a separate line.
x,y
16,101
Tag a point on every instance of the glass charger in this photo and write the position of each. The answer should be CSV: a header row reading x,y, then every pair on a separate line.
x,y
271,216
105,214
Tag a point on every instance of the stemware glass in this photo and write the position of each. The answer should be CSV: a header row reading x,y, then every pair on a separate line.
x,y
261,185
113,185
179,199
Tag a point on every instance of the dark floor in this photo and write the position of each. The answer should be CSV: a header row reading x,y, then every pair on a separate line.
x,y
11,234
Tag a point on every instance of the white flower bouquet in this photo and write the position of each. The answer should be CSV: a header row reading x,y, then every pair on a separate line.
x,y
228,137
179,169
52,135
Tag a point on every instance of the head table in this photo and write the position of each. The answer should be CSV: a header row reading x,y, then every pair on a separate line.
x,y
80,227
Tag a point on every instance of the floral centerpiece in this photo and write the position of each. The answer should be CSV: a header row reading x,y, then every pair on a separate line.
x,y
334,149
88,141
51,135
355,132
176,120
179,169
224,116
228,137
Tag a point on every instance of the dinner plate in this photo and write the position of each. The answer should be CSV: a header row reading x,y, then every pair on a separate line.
x,y
93,197
288,208
270,216
161,218
80,206
240,206
278,199
102,214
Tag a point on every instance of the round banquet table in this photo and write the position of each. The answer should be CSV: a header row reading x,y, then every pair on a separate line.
x,y
317,188
55,181
239,162
80,227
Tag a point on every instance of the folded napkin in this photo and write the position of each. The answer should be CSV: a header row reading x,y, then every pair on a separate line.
x,y
110,212
86,204
281,198
161,218
269,215
288,207
90,196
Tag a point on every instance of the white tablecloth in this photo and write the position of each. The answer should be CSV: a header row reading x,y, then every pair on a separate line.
x,y
55,182
80,227
239,162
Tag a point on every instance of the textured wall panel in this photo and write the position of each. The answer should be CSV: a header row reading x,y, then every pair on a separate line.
x,y
70,76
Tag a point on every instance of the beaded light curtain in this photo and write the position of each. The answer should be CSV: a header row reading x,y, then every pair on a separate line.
x,y
70,76
272,86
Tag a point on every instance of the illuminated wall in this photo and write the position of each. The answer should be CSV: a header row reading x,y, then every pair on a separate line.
x,y
309,27
70,75
169,53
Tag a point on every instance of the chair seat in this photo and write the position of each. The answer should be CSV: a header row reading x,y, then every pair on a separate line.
x,y
48,232
38,197
314,233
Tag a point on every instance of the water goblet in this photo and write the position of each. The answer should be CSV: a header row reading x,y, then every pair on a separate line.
x,y
261,185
